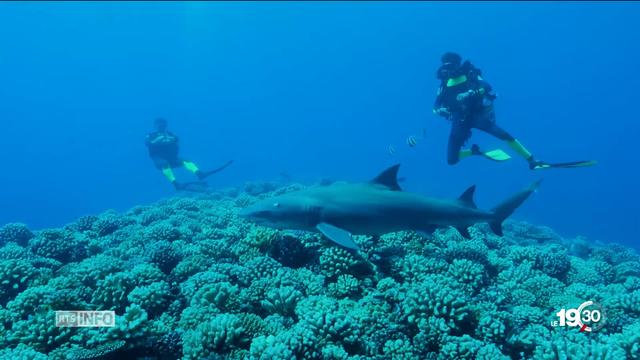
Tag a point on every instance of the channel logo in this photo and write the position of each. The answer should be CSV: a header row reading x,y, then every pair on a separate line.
x,y
588,317
84,318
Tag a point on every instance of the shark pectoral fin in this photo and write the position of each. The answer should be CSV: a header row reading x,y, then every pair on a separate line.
x,y
464,232
339,236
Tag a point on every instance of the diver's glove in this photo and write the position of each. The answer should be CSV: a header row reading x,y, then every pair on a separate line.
x,y
462,97
442,111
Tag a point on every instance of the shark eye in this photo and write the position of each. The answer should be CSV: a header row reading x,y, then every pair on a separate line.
x,y
276,205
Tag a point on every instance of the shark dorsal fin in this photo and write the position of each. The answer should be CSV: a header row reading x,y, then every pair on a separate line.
x,y
388,178
467,197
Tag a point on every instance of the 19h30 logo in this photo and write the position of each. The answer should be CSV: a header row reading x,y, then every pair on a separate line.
x,y
588,317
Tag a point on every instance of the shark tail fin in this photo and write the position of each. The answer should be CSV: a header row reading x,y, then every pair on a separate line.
x,y
507,207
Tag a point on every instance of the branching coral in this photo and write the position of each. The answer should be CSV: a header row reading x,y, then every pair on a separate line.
x,y
282,300
473,250
22,351
467,273
329,319
153,298
345,286
15,276
219,335
292,251
573,345
162,232
61,245
460,347
336,261
111,292
107,224
414,268
426,300
15,232
553,263
39,332
164,256
222,295
189,279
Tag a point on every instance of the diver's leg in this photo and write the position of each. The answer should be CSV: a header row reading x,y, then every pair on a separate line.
x,y
165,166
193,168
168,173
486,121
159,162
459,134
190,166
488,125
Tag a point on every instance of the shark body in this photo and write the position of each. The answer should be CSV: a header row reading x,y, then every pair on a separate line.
x,y
374,208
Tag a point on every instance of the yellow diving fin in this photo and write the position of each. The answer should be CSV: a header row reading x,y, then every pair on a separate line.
x,y
497,155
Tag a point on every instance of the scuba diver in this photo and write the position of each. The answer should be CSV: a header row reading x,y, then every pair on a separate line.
x,y
163,150
466,99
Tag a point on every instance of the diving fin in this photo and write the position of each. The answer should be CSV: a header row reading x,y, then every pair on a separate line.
x,y
204,174
495,155
339,236
567,165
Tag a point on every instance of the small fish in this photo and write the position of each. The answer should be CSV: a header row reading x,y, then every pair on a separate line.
x,y
412,141
285,176
391,150
389,251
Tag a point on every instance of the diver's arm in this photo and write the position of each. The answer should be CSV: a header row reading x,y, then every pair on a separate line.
x,y
438,108
488,89
479,91
484,86
438,102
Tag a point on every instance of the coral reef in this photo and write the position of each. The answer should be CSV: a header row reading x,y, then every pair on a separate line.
x,y
188,279
15,232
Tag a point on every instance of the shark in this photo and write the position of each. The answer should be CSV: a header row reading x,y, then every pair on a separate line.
x,y
376,207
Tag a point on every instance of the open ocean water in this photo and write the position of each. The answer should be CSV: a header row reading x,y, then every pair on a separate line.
x,y
301,95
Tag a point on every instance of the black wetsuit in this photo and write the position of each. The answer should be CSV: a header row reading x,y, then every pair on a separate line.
x,y
475,112
163,149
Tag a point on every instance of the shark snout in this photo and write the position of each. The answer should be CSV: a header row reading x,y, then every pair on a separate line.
x,y
255,214
251,214
244,213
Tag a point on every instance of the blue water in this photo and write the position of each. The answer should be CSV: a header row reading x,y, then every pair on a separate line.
x,y
315,90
